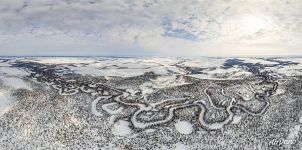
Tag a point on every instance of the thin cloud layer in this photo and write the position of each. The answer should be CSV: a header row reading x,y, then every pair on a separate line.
x,y
151,27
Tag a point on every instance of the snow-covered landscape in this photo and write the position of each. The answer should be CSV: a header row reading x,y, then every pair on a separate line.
x,y
150,103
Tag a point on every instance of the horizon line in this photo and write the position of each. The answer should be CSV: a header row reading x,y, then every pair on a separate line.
x,y
131,56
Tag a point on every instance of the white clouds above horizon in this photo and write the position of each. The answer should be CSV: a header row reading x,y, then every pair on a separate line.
x,y
150,27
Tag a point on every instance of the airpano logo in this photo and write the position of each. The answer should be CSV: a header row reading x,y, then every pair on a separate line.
x,y
280,142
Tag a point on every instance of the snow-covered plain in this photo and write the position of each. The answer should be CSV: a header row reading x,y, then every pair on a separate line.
x,y
149,102
210,67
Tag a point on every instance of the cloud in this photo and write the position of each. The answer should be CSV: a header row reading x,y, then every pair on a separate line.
x,y
167,27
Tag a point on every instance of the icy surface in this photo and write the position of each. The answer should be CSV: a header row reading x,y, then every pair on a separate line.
x,y
15,83
183,127
12,71
121,128
236,119
180,146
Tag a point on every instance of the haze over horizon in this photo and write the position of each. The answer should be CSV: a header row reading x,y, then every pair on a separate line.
x,y
150,28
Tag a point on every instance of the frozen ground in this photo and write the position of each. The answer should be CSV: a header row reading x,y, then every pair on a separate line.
x,y
150,103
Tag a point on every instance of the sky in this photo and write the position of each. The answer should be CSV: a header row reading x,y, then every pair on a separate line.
x,y
150,27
